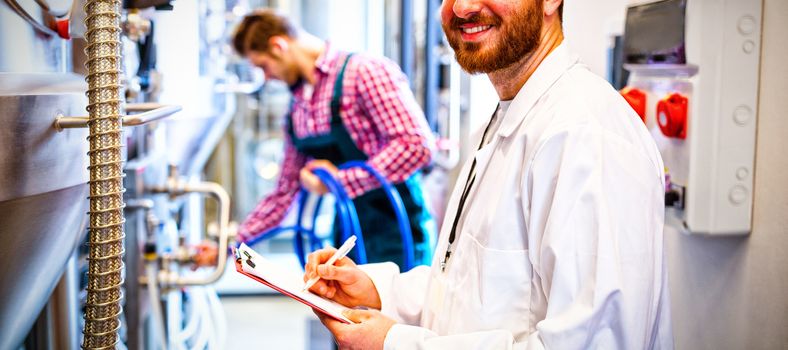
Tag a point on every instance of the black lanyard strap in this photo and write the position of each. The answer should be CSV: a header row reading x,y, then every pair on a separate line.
x,y
465,192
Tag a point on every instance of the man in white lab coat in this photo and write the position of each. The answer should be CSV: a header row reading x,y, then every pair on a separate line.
x,y
553,234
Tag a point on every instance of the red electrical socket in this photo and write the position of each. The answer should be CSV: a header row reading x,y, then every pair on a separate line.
x,y
637,99
672,115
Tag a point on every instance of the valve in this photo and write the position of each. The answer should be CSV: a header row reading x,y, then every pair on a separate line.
x,y
62,28
636,99
672,115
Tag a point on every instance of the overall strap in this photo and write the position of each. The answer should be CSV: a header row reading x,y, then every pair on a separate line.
x,y
336,99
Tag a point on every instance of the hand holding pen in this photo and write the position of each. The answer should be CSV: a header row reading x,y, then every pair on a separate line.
x,y
340,280
339,254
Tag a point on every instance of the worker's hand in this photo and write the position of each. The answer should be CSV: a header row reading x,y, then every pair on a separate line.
x,y
369,331
206,254
342,282
310,181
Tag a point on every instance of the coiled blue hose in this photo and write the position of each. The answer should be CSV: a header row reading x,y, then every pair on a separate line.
x,y
408,255
348,217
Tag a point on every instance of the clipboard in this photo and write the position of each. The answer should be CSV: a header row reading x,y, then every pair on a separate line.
x,y
253,265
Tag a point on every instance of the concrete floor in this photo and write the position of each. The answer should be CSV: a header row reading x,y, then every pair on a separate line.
x,y
273,322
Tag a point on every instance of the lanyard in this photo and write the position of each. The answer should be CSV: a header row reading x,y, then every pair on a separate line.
x,y
465,192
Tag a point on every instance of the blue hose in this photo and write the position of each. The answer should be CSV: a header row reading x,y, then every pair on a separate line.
x,y
408,255
350,225
348,217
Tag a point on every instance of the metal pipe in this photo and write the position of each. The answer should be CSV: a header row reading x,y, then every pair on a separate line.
x,y
176,187
431,77
38,27
207,147
223,200
106,236
406,39
64,301
143,107
153,112
150,116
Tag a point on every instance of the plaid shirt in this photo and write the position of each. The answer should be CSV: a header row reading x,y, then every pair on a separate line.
x,y
380,114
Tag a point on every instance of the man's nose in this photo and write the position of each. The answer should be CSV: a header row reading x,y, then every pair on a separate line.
x,y
466,8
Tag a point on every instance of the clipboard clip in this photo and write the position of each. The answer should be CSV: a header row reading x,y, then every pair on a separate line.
x,y
249,259
237,253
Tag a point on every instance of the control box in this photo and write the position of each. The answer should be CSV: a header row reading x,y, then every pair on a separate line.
x,y
702,109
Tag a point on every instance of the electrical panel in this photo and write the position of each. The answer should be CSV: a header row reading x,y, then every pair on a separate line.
x,y
699,98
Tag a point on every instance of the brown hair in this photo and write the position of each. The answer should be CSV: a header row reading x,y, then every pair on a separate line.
x,y
256,28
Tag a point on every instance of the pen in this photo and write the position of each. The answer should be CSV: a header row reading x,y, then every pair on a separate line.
x,y
339,254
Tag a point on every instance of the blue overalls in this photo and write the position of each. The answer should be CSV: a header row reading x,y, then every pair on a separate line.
x,y
375,213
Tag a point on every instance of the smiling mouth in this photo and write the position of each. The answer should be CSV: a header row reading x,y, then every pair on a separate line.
x,y
476,29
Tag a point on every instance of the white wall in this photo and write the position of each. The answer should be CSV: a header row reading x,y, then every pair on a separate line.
x,y
588,26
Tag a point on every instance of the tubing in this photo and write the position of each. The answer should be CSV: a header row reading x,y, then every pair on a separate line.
x,y
315,243
408,254
155,303
106,237
351,225
174,313
346,211
217,315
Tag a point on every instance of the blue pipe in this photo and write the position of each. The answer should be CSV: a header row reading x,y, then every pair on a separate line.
x,y
313,239
351,225
399,210
298,238
346,212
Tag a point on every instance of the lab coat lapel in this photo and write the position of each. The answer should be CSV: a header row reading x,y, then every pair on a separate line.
x,y
551,69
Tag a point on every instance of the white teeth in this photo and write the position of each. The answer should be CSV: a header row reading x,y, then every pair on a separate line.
x,y
475,29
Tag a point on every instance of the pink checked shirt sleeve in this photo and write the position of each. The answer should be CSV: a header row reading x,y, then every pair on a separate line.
x,y
385,98
272,209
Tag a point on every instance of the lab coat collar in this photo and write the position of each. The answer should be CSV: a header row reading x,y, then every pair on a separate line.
x,y
548,72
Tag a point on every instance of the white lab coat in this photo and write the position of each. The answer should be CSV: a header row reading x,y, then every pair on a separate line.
x,y
560,243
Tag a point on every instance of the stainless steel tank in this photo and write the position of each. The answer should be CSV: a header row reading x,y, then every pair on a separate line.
x,y
43,191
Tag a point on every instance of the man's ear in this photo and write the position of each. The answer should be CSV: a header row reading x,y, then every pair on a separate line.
x,y
278,45
551,7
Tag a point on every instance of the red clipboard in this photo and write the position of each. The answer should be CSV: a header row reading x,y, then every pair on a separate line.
x,y
239,268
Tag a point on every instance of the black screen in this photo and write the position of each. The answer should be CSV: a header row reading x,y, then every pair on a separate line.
x,y
654,33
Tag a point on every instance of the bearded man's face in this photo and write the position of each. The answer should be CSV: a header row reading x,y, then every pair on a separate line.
x,y
494,34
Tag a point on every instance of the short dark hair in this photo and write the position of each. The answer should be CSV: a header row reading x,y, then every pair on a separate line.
x,y
257,28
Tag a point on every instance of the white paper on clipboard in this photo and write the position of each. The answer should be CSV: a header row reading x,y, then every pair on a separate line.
x,y
287,283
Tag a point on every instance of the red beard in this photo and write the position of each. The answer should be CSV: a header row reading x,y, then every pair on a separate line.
x,y
517,37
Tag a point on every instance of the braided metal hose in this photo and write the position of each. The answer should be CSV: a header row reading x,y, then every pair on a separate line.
x,y
105,264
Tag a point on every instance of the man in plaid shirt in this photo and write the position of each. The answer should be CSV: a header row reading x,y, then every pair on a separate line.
x,y
345,107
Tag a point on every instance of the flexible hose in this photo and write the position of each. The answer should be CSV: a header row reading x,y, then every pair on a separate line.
x,y
348,217
351,225
314,241
155,305
346,211
174,320
408,253
192,316
218,316
105,264
203,335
